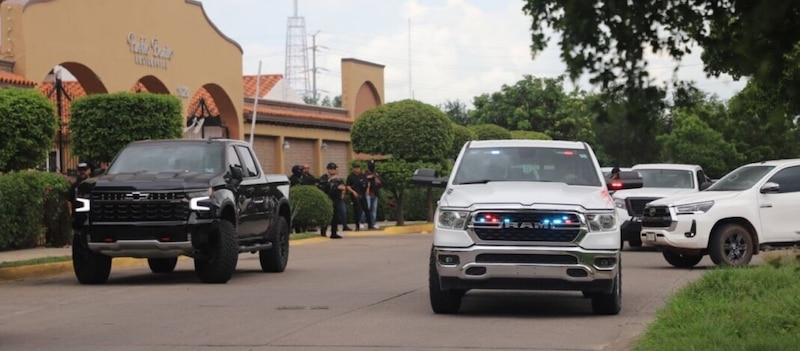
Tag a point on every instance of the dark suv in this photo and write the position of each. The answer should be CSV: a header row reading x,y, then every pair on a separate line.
x,y
160,199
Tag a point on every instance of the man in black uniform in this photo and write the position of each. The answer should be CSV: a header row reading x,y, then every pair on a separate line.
x,y
83,174
357,186
306,178
333,185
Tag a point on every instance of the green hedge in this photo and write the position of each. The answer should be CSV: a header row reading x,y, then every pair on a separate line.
x,y
33,210
310,207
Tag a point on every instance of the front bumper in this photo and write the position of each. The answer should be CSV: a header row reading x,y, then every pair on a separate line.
x,y
149,239
527,268
687,232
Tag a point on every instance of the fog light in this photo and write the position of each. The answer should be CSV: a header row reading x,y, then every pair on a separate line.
x,y
448,260
476,271
577,273
605,262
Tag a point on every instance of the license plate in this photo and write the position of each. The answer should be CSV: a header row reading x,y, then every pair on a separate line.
x,y
650,236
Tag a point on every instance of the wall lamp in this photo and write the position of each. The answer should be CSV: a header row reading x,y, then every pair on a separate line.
x,y
324,146
286,144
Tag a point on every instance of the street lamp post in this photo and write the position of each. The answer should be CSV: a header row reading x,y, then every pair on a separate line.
x,y
59,89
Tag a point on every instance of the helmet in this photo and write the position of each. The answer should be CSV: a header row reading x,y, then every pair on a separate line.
x,y
332,165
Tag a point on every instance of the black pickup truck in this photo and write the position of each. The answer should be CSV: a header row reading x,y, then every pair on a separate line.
x,y
161,199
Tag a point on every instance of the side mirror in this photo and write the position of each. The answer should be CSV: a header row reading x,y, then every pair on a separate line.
x,y
237,173
626,180
770,188
705,185
428,177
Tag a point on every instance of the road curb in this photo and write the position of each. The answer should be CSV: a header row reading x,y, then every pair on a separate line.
x,y
12,274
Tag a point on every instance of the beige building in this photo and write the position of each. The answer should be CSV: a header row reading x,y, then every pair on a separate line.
x,y
171,47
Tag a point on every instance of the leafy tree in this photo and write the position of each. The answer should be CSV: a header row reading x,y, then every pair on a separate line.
x,y
102,124
608,39
489,132
529,104
457,111
412,133
760,125
695,142
29,124
527,134
461,135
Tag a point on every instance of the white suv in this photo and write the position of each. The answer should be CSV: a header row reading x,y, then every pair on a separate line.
x,y
755,207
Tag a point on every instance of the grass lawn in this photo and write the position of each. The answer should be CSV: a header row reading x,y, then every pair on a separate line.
x,y
753,308
35,261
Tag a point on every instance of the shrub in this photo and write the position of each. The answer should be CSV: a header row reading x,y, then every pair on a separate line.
x,y
528,134
29,124
33,210
310,207
102,124
490,132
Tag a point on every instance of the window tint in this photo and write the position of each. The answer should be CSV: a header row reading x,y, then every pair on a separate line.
x,y
169,157
741,178
250,165
527,164
788,179
701,177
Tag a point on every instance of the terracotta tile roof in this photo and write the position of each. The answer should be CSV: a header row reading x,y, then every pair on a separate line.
x,y
73,89
267,110
138,87
11,78
267,82
194,104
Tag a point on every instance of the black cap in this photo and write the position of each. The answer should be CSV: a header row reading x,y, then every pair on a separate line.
x,y
332,165
615,170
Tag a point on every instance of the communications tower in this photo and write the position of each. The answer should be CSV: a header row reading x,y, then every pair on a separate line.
x,y
296,73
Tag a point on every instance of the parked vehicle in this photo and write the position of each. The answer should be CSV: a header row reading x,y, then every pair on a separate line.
x,y
753,208
524,214
161,199
658,180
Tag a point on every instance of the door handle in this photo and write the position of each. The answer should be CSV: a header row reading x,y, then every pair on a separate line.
x,y
765,206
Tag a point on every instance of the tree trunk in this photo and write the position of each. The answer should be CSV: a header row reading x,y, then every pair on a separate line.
x,y
399,205
429,202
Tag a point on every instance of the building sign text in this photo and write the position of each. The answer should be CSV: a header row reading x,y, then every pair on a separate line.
x,y
149,52
182,91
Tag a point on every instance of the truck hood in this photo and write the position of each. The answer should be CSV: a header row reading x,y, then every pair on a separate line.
x,y
526,194
150,181
651,192
701,196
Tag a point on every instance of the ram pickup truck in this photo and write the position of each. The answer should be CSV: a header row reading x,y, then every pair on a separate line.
x,y
658,180
753,208
524,214
161,199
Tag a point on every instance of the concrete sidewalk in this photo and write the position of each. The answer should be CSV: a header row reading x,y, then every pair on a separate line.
x,y
47,269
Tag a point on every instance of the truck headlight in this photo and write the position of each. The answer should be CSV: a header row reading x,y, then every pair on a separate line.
x,y
695,208
620,203
601,222
200,200
448,219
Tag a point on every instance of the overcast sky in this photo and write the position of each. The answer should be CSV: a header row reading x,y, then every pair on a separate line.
x,y
458,48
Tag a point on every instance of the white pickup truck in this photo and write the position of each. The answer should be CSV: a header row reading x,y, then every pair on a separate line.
x,y
524,214
658,180
755,207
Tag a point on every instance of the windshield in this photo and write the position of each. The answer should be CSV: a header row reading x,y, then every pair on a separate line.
x,y
169,157
666,178
527,164
742,178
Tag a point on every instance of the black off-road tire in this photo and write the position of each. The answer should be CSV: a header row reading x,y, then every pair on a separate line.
x,y
731,245
681,260
89,267
218,263
162,265
609,303
275,259
442,301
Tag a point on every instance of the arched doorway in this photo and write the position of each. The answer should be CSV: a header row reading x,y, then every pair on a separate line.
x,y
211,114
149,84
64,83
366,98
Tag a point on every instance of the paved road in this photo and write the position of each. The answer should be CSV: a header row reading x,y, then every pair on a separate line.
x,y
365,293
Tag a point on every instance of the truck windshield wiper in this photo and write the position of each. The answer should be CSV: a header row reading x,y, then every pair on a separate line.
x,y
482,181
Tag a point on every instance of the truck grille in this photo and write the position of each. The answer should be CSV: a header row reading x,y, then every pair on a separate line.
x,y
656,217
636,205
526,226
526,259
139,206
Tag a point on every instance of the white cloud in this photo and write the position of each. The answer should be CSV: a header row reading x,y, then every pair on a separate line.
x,y
459,48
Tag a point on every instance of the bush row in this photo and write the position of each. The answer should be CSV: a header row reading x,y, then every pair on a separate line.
x,y
33,210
